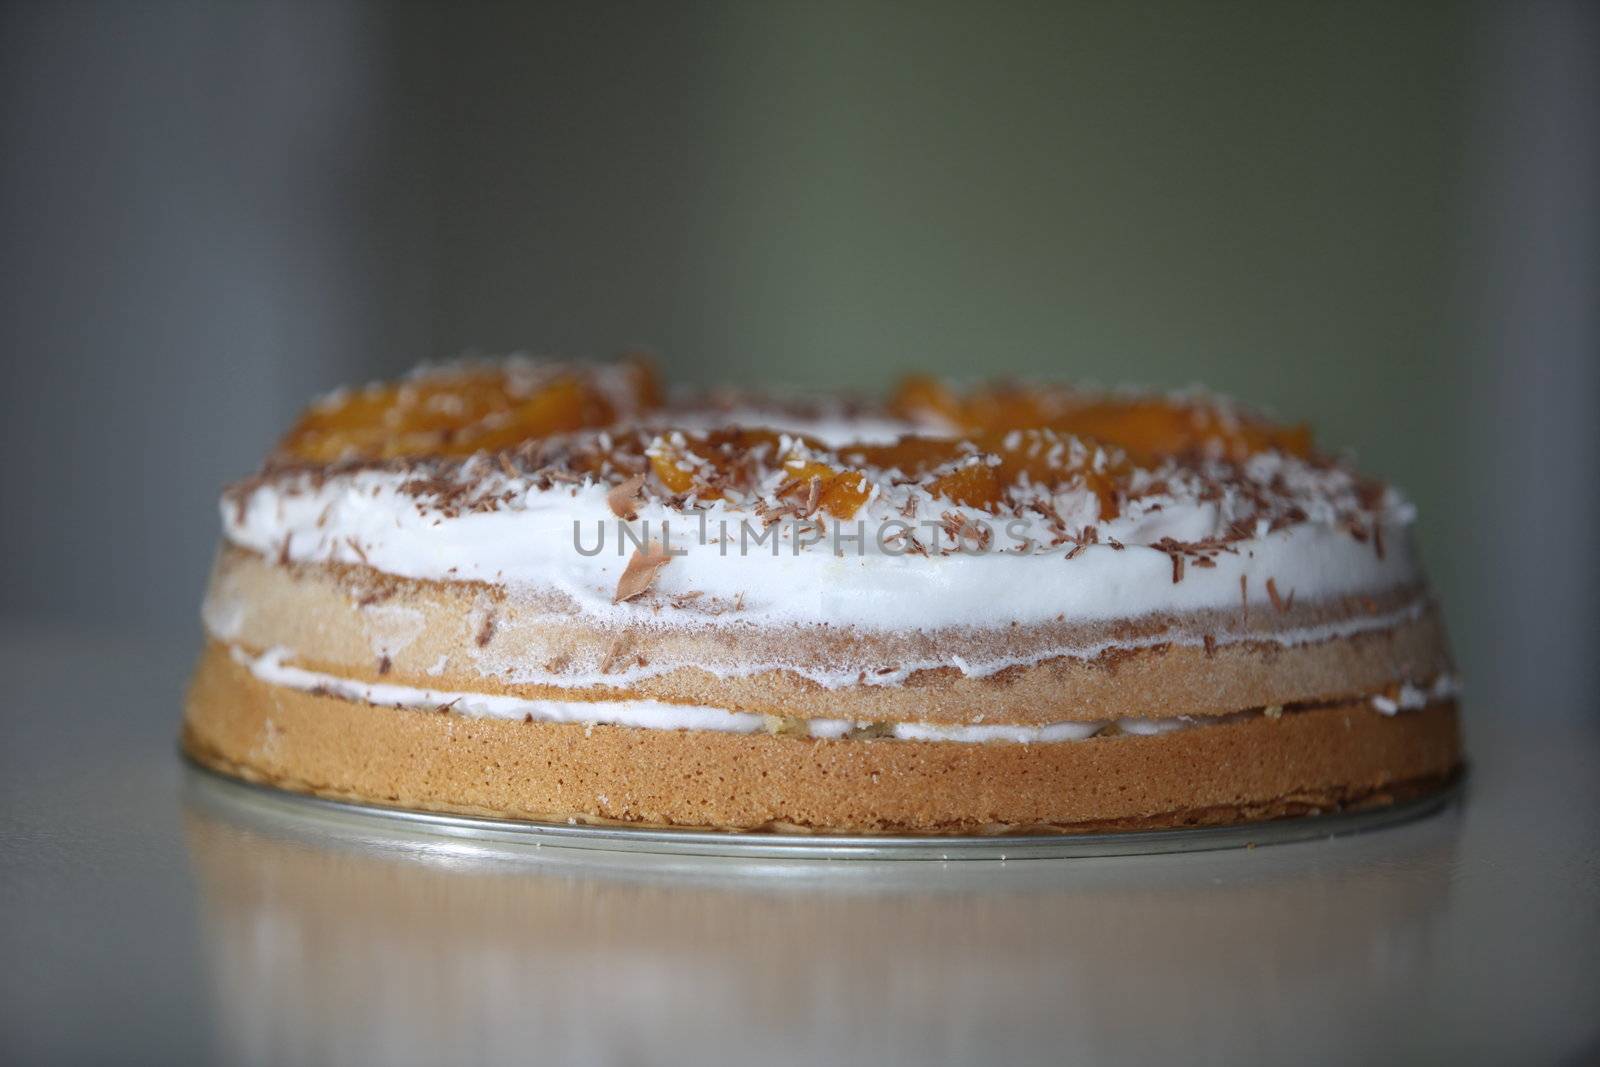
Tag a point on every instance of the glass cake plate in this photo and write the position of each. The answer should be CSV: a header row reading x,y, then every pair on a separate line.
x,y
213,788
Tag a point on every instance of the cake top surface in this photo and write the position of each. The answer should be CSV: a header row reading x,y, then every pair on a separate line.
x,y
463,431
488,470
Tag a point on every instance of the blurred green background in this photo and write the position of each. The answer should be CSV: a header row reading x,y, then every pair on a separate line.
x,y
1375,217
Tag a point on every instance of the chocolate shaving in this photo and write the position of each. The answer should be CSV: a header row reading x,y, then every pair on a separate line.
x,y
1293,516
1278,602
813,497
640,573
384,663
624,499
1175,551
1089,535
485,631
1240,530
1049,512
613,653
1211,645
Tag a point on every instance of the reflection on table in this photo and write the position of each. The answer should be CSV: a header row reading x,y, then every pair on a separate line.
x,y
336,942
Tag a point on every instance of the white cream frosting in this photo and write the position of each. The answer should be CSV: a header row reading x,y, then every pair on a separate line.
x,y
528,540
271,667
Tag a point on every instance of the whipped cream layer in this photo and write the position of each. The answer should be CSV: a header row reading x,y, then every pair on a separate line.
x,y
270,667
728,566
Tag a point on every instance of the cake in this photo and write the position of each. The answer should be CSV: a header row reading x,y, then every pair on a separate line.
x,y
546,591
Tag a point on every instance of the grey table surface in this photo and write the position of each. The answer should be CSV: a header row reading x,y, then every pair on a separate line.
x,y
145,918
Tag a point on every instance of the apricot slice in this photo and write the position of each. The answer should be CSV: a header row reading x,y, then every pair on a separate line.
x,y
474,408
840,493
1153,429
974,483
1149,428
1045,457
681,469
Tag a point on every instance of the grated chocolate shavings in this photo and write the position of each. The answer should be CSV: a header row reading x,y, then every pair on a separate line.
x,y
742,470
961,529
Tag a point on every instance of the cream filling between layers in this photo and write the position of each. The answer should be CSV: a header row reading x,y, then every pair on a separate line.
x,y
229,606
270,667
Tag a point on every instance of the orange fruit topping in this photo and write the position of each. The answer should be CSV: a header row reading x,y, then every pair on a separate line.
x,y
682,470
975,484
1044,457
840,493
1148,428
459,412
996,438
